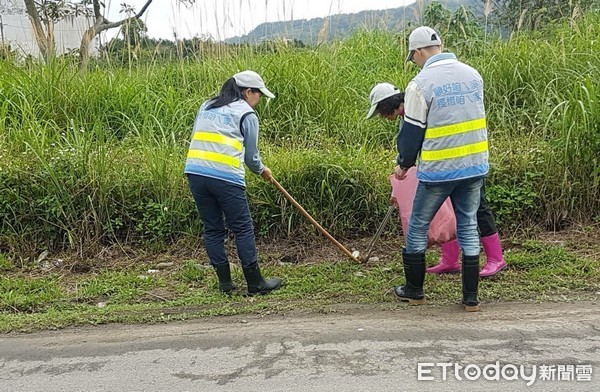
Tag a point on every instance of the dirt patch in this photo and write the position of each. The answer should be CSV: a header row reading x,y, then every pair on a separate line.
x,y
583,241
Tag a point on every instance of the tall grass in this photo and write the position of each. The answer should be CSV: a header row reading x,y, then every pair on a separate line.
x,y
543,103
89,160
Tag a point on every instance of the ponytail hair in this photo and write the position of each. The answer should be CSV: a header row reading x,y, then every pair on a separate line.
x,y
230,92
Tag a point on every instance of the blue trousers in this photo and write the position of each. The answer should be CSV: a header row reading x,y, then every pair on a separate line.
x,y
465,196
216,200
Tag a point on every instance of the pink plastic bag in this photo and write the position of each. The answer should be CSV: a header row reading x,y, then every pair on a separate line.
x,y
443,225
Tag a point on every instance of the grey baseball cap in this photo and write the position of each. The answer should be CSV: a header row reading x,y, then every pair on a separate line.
x,y
422,37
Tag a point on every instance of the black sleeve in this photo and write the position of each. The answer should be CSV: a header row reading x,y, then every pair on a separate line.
x,y
409,143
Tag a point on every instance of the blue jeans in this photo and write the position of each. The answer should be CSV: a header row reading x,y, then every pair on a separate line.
x,y
465,197
215,199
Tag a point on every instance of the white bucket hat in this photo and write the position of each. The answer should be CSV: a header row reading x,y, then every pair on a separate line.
x,y
251,79
380,92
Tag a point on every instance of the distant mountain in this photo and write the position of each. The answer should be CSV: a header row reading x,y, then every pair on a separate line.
x,y
343,25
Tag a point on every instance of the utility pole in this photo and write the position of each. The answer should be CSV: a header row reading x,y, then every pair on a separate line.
x,y
2,31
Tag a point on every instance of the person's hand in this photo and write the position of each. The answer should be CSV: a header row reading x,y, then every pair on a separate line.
x,y
400,173
393,202
266,174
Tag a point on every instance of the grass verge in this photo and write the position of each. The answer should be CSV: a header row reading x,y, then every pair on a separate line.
x,y
36,299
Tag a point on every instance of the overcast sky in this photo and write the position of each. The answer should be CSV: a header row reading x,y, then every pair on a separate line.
x,y
227,18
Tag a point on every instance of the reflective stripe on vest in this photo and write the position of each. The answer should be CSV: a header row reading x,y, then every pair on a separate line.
x,y
454,129
217,138
455,145
456,135
214,157
454,152
217,144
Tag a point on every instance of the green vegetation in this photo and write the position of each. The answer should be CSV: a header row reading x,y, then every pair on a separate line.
x,y
5,263
497,15
96,159
93,161
190,290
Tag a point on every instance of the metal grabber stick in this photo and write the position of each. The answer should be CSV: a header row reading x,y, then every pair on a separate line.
x,y
387,217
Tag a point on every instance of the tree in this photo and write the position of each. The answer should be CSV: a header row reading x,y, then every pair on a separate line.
x,y
43,14
134,32
437,16
460,28
101,24
534,14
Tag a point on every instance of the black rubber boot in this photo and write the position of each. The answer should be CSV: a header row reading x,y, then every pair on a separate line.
x,y
414,271
470,283
224,275
256,284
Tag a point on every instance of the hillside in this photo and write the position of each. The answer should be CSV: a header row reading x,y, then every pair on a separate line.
x,y
343,25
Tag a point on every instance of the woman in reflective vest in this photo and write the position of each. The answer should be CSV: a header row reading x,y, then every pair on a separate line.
x,y
224,139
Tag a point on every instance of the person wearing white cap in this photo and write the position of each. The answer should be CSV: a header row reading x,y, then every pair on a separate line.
x,y
224,138
444,129
422,38
388,101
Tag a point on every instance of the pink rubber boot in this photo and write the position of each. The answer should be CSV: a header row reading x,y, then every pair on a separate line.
x,y
449,261
495,261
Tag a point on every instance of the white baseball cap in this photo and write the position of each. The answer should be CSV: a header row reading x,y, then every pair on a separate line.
x,y
422,37
251,79
380,92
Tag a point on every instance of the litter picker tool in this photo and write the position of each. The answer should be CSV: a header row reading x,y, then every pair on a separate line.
x,y
386,219
314,222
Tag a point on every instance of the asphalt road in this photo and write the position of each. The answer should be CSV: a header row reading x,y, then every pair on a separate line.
x,y
358,348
